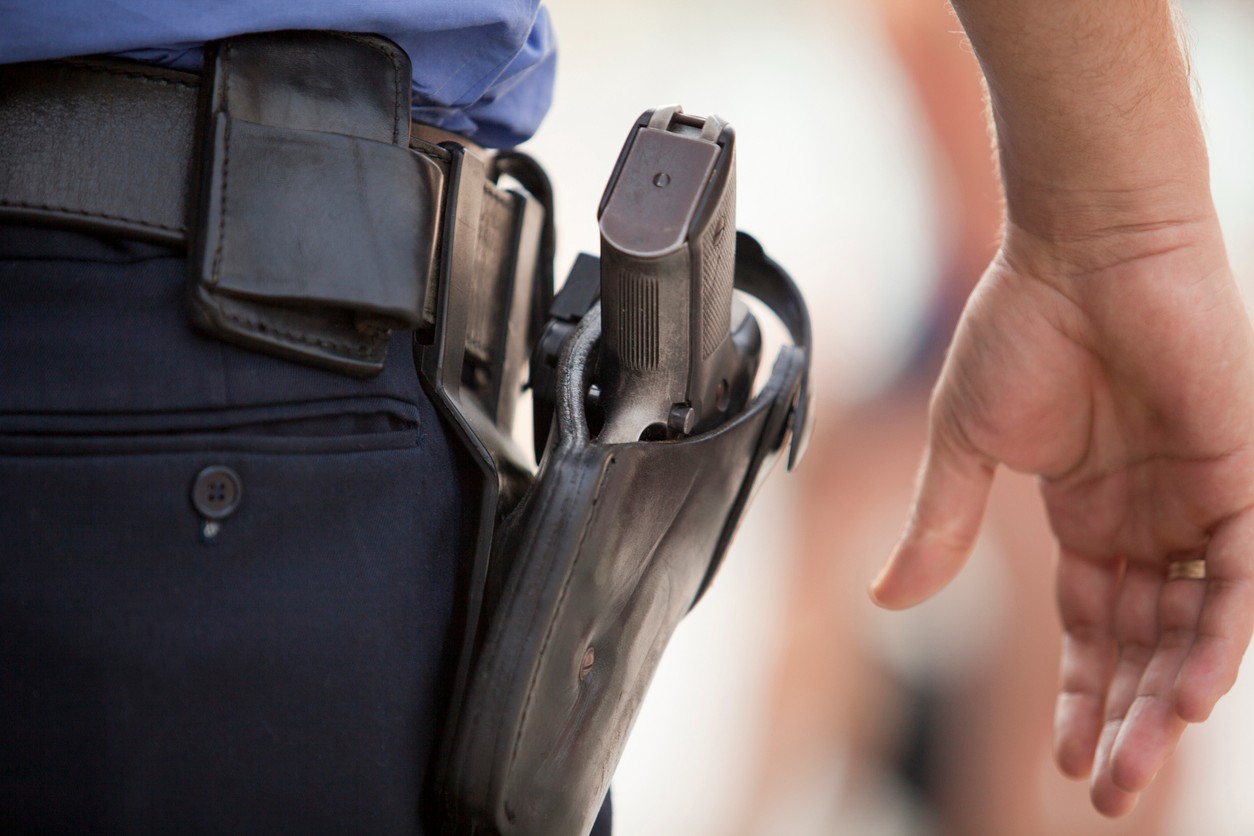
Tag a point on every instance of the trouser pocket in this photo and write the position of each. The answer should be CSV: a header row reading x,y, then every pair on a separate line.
x,y
272,668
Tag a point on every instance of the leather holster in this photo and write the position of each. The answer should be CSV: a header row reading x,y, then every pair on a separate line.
x,y
589,577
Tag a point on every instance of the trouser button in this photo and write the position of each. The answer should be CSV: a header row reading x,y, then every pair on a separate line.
x,y
216,492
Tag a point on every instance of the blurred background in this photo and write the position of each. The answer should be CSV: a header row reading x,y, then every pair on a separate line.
x,y
787,704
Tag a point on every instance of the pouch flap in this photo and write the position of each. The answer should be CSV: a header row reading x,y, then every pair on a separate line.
x,y
320,219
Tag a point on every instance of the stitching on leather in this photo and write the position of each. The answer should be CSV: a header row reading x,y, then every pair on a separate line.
x,y
88,213
136,74
226,161
262,327
401,109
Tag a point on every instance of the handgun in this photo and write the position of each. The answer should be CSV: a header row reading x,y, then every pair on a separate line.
x,y
678,351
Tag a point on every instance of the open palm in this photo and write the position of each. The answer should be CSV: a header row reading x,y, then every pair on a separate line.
x,y
1122,373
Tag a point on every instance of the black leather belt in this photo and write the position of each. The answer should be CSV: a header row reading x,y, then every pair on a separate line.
x,y
315,225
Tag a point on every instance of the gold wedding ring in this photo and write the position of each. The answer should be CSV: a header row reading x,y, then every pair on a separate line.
x,y
1193,570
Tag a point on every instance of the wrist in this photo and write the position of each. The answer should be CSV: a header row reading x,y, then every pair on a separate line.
x,y
1103,249
1138,182
1136,213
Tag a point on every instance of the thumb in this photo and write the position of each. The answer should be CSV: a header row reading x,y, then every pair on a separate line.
x,y
949,503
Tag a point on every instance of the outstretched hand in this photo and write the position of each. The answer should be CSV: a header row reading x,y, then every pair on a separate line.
x,y
1120,369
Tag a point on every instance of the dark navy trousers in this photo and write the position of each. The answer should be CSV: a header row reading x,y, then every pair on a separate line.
x,y
281,671
282,675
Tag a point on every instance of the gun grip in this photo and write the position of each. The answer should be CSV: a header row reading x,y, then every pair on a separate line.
x,y
667,254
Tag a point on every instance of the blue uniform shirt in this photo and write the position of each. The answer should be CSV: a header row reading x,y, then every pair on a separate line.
x,y
482,68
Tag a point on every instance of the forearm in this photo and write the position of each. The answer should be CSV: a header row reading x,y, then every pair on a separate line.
x,y
1094,113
